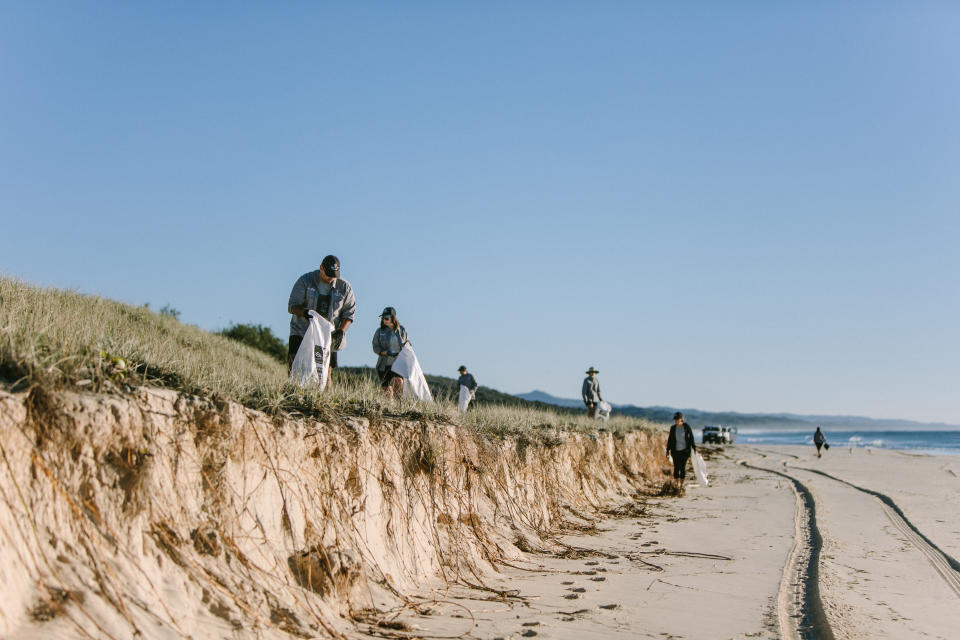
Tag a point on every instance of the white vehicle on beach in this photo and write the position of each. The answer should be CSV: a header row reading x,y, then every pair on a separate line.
x,y
718,434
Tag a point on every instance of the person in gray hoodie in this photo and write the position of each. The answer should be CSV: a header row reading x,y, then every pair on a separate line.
x,y
591,392
325,292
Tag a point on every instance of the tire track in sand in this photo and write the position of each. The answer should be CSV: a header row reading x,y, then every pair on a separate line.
x,y
799,606
946,566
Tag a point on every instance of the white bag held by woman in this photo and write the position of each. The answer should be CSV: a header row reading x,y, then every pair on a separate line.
x,y
313,357
700,469
407,366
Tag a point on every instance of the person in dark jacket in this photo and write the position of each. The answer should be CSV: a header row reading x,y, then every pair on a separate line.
x,y
680,445
820,440
467,380
591,392
388,340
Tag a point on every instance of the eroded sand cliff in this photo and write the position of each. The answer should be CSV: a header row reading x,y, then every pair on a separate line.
x,y
156,514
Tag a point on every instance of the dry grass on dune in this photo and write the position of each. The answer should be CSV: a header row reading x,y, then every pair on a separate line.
x,y
62,338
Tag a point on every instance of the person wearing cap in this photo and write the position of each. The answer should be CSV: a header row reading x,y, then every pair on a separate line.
x,y
388,340
591,392
467,380
325,292
680,444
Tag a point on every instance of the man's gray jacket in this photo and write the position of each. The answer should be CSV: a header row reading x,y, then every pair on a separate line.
x,y
591,390
305,291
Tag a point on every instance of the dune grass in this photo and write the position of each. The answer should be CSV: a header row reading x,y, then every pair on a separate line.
x,y
58,338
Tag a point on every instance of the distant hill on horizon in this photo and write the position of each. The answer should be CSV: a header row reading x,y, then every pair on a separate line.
x,y
699,418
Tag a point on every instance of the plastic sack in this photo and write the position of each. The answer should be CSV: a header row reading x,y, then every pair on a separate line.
x,y
700,469
310,365
603,410
465,397
407,366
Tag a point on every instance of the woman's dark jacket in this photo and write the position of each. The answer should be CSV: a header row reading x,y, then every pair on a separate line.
x,y
687,432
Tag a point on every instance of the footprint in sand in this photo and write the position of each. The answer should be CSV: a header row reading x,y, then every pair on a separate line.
x,y
571,616
598,579
578,590
529,633
571,596
567,582
592,563
610,606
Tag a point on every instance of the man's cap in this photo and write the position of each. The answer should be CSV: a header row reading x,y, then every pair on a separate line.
x,y
331,266
462,368
592,370
678,414
388,311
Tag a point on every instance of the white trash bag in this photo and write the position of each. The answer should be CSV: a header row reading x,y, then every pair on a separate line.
x,y
465,397
313,357
407,366
700,469
603,410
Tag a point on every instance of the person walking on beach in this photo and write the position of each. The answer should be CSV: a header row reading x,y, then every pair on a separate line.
x,y
679,446
468,382
591,392
388,340
325,292
819,439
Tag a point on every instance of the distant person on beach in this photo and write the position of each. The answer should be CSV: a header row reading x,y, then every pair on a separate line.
x,y
325,292
388,340
466,380
820,440
591,392
679,446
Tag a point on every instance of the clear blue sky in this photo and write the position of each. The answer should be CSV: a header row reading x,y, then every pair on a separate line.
x,y
751,206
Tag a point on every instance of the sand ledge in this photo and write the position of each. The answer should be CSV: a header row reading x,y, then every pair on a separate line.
x,y
163,515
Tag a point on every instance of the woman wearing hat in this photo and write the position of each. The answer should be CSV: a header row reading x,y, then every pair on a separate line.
x,y
679,445
591,392
388,340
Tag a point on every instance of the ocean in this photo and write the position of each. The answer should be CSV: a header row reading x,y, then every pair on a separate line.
x,y
947,442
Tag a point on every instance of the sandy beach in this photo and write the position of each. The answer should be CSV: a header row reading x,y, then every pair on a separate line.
x,y
858,544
